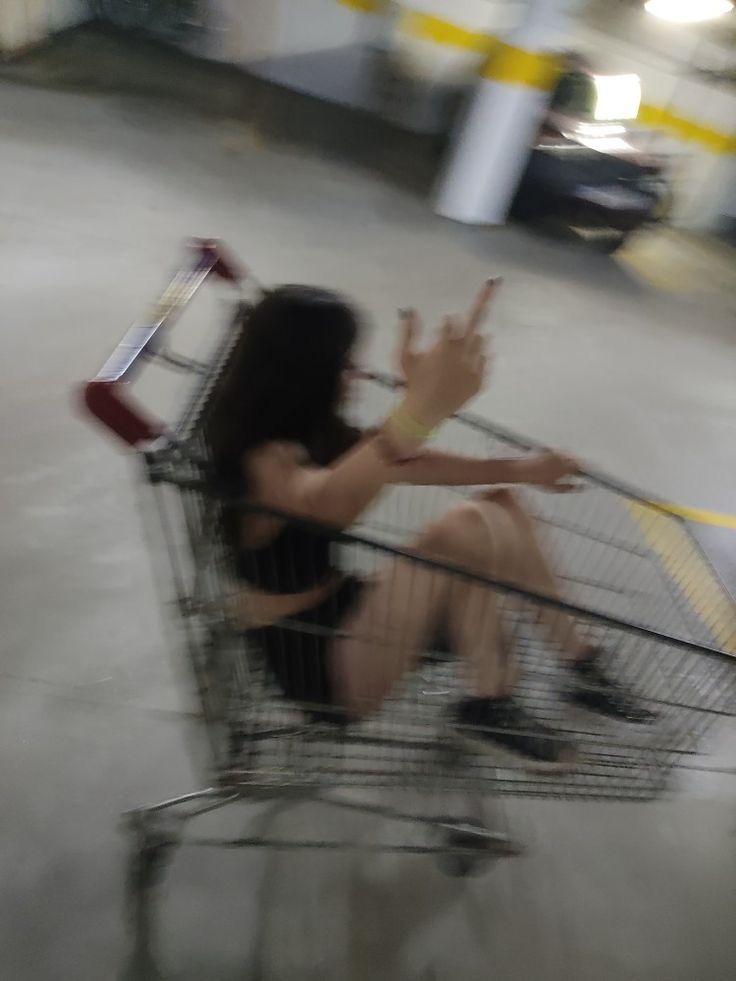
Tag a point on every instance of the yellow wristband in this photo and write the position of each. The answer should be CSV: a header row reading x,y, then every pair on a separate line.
x,y
409,426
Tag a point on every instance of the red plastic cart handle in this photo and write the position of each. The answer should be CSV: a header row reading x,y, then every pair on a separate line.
x,y
105,396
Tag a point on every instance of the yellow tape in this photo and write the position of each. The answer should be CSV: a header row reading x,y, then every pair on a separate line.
x,y
686,129
516,66
689,570
506,63
430,28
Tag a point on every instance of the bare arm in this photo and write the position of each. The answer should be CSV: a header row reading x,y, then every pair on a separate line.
x,y
339,494
435,468
336,495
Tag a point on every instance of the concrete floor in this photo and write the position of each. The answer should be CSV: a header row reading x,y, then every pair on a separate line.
x,y
628,362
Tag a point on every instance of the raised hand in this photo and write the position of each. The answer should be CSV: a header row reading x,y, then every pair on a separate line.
x,y
444,376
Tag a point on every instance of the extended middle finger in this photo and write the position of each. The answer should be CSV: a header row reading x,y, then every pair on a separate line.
x,y
480,305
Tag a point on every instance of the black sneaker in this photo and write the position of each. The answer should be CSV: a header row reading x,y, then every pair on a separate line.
x,y
595,689
488,724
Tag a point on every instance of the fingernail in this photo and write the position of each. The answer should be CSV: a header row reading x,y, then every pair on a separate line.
x,y
405,313
494,280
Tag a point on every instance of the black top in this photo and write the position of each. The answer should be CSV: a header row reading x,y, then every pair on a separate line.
x,y
299,558
295,561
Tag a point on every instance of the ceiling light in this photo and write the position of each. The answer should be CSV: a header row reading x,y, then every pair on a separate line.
x,y
616,97
688,11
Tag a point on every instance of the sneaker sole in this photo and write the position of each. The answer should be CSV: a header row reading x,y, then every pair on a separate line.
x,y
482,747
595,702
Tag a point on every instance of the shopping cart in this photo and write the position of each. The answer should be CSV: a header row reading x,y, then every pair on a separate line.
x,y
636,584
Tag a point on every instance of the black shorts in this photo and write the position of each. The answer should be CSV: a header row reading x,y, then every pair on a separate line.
x,y
297,649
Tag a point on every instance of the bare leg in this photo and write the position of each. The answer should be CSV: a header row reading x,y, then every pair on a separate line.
x,y
475,613
403,607
595,687
537,575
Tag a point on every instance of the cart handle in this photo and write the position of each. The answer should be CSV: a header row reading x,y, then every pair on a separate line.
x,y
104,396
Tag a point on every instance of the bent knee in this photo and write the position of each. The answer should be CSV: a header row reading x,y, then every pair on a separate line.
x,y
474,532
510,500
466,519
506,497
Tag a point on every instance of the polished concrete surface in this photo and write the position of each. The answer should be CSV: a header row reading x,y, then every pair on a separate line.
x,y
628,362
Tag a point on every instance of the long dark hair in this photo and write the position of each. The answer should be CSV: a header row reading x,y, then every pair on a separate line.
x,y
283,380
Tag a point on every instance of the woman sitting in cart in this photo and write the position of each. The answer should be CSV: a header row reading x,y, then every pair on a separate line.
x,y
278,438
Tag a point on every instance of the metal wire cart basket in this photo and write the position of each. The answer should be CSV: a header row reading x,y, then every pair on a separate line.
x,y
636,584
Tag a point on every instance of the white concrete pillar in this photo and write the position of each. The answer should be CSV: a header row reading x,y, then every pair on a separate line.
x,y
27,22
493,142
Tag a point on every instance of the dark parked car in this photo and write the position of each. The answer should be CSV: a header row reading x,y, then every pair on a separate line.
x,y
586,170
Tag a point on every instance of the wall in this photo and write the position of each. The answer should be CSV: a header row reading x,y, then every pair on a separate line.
x,y
27,22
252,30
420,36
247,31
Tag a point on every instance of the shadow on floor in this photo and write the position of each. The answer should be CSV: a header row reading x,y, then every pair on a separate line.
x,y
98,59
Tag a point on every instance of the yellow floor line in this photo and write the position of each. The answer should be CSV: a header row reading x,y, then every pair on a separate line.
x,y
704,517
367,6
690,571
656,273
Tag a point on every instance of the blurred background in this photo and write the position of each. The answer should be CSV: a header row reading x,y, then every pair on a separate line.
x,y
401,152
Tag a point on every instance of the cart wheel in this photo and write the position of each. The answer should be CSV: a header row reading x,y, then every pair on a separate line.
x,y
468,847
151,850
467,854
459,866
